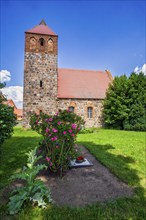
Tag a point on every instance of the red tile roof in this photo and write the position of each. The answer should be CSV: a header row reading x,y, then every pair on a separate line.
x,y
10,102
18,112
84,84
42,28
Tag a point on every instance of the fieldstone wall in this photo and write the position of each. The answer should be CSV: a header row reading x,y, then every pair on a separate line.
x,y
40,83
80,108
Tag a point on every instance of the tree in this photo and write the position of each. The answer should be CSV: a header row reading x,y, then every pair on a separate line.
x,y
137,103
7,119
125,102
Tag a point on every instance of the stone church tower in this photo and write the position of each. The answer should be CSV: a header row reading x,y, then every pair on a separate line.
x,y
40,70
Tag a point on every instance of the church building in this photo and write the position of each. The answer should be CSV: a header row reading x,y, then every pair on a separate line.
x,y
48,88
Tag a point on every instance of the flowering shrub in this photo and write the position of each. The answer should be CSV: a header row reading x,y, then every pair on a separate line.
x,y
59,132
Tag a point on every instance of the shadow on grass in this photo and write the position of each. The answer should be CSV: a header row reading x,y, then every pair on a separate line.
x,y
14,156
119,165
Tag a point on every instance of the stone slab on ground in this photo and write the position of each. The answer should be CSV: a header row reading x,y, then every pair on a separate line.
x,y
85,163
86,185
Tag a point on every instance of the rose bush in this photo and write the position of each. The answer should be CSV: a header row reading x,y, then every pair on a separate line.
x,y
59,132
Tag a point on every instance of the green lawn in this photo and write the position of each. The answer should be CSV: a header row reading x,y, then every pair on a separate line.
x,y
121,151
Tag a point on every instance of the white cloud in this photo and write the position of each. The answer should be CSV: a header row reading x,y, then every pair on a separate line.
x,y
15,93
5,76
140,69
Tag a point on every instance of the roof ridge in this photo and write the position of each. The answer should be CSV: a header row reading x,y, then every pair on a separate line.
x,y
109,74
82,69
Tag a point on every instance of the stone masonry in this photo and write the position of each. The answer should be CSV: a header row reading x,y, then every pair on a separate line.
x,y
80,108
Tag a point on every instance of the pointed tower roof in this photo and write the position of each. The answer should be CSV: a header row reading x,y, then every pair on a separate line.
x,y
42,28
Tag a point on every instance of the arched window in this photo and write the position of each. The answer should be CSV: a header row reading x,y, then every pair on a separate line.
x,y
32,43
50,45
42,42
71,108
90,112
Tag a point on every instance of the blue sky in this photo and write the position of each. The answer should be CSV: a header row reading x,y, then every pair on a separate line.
x,y
95,35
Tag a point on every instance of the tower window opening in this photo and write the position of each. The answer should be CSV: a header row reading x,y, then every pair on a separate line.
x,y
41,83
42,42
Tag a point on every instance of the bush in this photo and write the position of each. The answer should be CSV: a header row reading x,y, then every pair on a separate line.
x,y
88,130
125,103
7,120
59,132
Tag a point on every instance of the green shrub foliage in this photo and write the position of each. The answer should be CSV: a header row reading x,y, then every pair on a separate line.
x,y
7,120
33,191
125,103
59,132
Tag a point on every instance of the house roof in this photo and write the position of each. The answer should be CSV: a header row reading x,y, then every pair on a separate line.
x,y
83,84
18,112
10,102
42,28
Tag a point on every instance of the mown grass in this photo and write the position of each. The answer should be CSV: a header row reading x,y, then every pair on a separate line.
x,y
121,151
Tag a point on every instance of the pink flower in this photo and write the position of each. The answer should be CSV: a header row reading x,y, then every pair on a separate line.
x,y
51,164
46,119
74,126
59,123
50,119
79,128
50,135
64,132
73,135
47,130
54,130
70,131
36,122
57,113
48,159
68,110
54,138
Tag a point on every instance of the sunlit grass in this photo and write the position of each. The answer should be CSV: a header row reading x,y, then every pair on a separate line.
x,y
122,151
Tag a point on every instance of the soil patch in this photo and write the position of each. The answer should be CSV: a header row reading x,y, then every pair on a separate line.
x,y
86,185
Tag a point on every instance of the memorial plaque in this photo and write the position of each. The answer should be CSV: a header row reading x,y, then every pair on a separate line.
x,y
75,164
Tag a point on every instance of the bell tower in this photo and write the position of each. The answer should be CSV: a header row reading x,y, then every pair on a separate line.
x,y
40,71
